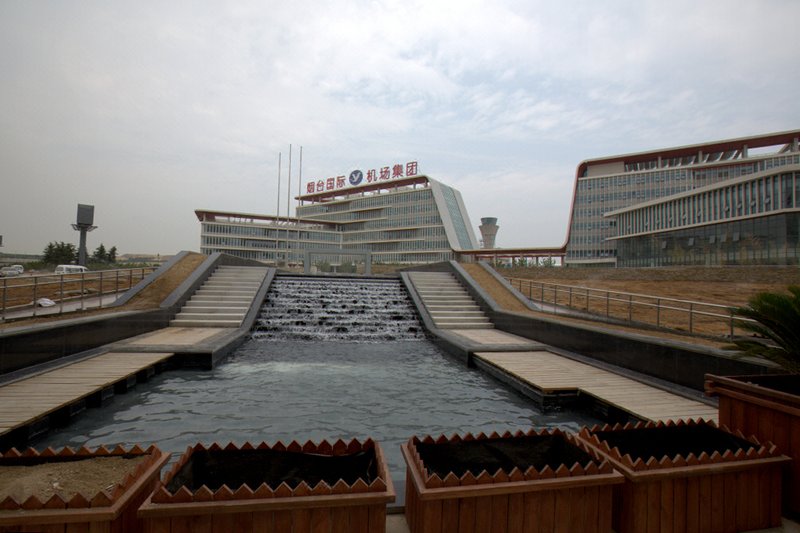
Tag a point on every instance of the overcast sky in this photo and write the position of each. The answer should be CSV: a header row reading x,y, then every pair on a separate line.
x,y
150,110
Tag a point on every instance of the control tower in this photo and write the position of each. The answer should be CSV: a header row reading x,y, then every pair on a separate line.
x,y
488,229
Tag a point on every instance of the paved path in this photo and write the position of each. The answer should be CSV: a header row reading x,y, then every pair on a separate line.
x,y
175,336
552,373
496,339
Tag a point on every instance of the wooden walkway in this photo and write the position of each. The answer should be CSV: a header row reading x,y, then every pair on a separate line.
x,y
31,399
552,373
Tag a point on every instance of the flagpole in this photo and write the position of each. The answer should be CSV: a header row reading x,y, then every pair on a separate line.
x,y
278,211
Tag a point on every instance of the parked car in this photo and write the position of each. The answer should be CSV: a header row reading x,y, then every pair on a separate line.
x,y
13,270
71,269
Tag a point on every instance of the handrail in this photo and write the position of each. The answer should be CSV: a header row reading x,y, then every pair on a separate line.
x,y
675,314
21,294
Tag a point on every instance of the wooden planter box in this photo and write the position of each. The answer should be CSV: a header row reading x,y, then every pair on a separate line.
x,y
112,509
690,476
767,407
535,481
340,487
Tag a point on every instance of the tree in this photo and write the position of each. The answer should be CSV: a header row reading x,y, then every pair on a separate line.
x,y
776,319
59,253
112,254
100,254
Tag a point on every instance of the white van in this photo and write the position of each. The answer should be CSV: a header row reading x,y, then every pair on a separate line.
x,y
71,269
7,272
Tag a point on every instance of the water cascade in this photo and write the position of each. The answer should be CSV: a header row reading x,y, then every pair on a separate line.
x,y
325,309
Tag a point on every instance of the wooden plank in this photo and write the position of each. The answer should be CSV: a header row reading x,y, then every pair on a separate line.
x,y
499,514
262,522
301,521
679,505
320,520
548,512
466,515
718,510
667,505
653,506
532,516
516,505
483,514
693,502
32,398
549,372
340,521
591,510
450,510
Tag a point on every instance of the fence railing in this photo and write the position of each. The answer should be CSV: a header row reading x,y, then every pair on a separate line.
x,y
685,316
20,297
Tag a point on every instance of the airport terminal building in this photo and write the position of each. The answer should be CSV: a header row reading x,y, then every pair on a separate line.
x,y
399,220
727,202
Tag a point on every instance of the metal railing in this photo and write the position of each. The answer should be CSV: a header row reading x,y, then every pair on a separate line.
x,y
684,316
20,296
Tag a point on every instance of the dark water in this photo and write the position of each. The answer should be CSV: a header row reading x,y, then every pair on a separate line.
x,y
269,391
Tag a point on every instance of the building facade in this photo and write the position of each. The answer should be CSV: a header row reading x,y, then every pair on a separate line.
x,y
410,220
726,202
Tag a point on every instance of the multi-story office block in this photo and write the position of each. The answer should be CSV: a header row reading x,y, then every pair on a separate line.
x,y
725,202
409,220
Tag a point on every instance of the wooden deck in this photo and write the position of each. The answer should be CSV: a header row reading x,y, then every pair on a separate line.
x,y
25,401
552,373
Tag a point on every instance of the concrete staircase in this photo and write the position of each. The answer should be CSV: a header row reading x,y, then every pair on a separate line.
x,y
449,304
223,300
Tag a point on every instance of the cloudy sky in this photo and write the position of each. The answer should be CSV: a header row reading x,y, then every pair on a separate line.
x,y
150,110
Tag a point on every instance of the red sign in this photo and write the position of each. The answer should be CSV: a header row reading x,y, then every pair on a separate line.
x,y
383,174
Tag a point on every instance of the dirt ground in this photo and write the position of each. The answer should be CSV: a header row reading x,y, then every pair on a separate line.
x,y
87,477
149,298
156,292
729,286
726,287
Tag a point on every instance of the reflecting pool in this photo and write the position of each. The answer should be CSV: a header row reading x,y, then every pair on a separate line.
x,y
269,391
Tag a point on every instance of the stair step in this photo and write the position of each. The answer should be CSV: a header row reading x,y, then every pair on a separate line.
x,y
209,316
445,307
180,323
223,292
459,325
459,314
219,310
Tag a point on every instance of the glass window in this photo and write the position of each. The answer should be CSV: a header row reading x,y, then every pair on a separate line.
x,y
787,197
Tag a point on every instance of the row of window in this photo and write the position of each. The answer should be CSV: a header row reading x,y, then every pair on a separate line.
x,y
402,246
426,220
403,195
413,258
267,232
766,240
578,254
596,196
407,233
259,244
760,195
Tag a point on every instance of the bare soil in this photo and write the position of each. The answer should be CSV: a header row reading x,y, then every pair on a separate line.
x,y
68,478
729,286
156,292
658,283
